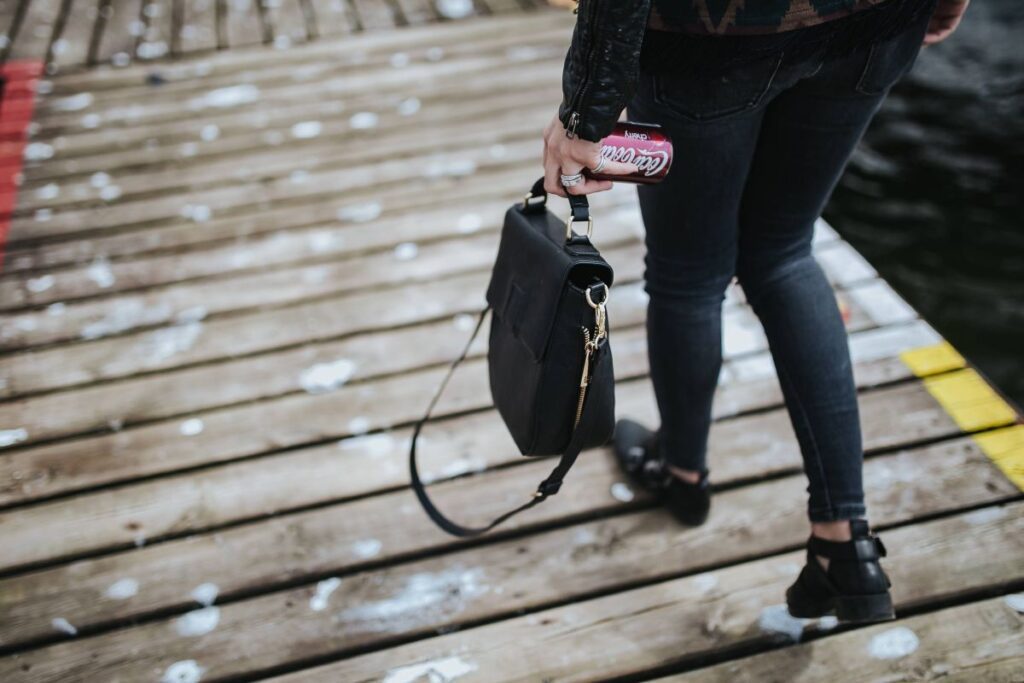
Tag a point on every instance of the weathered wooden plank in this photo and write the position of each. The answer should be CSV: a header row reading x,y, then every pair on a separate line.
x,y
72,33
113,132
36,31
173,101
100,317
122,28
418,11
375,14
928,562
285,21
68,413
426,173
980,641
309,245
192,340
333,18
243,24
891,416
175,239
45,471
368,44
753,392
304,146
598,556
94,409
198,26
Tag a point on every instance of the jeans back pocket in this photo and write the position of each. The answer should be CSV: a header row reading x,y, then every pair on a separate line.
x,y
891,59
707,94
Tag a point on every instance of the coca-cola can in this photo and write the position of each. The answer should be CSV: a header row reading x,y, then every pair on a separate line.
x,y
643,144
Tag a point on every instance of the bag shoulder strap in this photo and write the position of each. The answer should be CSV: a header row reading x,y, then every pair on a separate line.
x,y
548,487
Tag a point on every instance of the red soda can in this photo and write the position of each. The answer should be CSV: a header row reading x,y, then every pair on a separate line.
x,y
643,144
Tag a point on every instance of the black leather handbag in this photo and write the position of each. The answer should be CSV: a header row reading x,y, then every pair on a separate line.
x,y
549,358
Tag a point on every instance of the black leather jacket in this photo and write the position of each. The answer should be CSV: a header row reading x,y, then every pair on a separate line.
x,y
601,66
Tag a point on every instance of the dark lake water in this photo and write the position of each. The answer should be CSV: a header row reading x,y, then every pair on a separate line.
x,y
934,197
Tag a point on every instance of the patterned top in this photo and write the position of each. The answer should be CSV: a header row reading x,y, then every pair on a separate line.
x,y
744,17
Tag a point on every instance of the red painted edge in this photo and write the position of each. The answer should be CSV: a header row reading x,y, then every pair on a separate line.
x,y
17,102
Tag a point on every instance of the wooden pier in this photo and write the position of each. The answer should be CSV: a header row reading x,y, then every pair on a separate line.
x,y
231,283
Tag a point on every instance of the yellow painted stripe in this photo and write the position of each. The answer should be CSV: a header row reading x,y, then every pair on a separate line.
x,y
1006,449
972,404
969,400
931,360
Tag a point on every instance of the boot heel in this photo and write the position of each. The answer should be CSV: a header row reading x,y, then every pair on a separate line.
x,y
859,609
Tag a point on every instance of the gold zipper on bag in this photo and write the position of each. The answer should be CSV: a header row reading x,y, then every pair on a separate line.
x,y
589,348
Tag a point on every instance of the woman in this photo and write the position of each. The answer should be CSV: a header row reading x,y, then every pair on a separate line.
x,y
765,101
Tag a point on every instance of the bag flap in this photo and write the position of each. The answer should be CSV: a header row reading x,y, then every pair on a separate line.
x,y
533,266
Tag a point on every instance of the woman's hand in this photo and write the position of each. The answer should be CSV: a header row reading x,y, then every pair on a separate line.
x,y
566,156
946,18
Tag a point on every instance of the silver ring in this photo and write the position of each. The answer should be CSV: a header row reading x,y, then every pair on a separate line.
x,y
572,180
602,162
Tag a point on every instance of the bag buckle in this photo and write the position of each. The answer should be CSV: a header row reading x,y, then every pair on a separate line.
x,y
569,223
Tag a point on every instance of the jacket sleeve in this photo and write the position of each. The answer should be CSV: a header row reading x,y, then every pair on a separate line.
x,y
602,65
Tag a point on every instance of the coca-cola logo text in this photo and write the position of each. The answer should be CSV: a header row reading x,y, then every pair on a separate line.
x,y
650,161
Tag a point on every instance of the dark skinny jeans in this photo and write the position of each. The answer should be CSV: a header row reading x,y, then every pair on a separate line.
x,y
758,150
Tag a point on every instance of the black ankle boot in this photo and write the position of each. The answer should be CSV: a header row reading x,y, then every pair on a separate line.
x,y
854,588
636,449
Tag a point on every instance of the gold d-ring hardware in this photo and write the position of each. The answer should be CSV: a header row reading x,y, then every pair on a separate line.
x,y
600,315
568,227
529,199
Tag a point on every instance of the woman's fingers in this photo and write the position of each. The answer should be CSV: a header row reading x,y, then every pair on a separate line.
x,y
552,183
590,186
593,157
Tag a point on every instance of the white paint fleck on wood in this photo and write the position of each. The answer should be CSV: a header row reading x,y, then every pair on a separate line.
x,y
622,492
122,589
359,425
367,547
198,622
306,129
1015,601
39,284
325,377
205,593
82,100
893,643
185,671
9,437
64,626
359,213
985,515
454,9
161,344
231,96
191,427
425,598
324,589
409,106
406,251
776,619
99,272
441,670
363,120
38,151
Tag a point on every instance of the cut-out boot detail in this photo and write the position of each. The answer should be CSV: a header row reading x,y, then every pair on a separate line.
x,y
854,587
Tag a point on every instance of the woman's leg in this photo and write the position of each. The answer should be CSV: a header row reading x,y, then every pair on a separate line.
x,y
691,221
807,135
